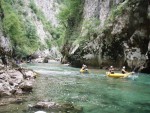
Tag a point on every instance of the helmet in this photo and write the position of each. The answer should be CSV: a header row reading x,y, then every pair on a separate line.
x,y
123,67
84,65
111,66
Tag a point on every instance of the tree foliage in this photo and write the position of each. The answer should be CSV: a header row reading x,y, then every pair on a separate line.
x,y
70,13
70,18
12,24
22,36
54,31
32,37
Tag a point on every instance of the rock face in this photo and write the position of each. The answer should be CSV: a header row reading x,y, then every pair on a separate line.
x,y
121,38
5,45
41,33
50,9
99,9
51,53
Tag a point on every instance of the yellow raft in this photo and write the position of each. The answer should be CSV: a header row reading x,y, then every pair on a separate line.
x,y
118,75
84,71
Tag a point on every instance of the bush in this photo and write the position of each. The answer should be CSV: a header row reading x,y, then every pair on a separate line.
x,y
33,6
20,2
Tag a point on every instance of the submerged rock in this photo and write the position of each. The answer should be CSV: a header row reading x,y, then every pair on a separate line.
x,y
53,106
49,105
17,101
12,100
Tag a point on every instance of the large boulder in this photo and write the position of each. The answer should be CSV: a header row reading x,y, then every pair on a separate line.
x,y
30,74
5,89
38,60
16,77
26,86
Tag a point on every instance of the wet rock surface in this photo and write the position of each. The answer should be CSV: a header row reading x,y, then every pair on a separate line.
x,y
53,106
13,82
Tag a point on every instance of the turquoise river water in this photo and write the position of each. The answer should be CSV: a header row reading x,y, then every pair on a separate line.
x,y
95,92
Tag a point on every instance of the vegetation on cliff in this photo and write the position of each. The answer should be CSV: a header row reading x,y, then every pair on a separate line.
x,y
55,32
70,17
22,34
21,30
118,38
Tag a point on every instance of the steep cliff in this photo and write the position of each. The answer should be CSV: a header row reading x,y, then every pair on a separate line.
x,y
50,8
112,33
98,33
30,26
43,16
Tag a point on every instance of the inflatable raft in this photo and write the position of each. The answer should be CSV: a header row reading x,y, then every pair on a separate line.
x,y
118,75
84,71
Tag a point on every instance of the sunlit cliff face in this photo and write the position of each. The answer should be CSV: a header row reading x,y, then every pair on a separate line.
x,y
50,9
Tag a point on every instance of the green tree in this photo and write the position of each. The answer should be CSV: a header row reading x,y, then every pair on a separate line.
x,y
70,17
12,24
32,37
22,35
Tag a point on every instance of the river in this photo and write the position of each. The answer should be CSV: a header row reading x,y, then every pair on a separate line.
x,y
95,92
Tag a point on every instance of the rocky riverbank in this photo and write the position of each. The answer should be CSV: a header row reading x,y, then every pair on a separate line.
x,y
15,81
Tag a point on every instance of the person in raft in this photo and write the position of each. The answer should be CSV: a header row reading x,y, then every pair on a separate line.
x,y
123,70
111,70
84,67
